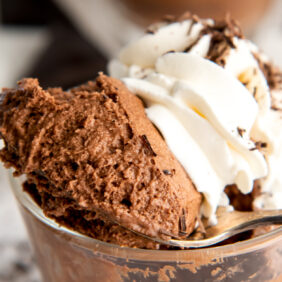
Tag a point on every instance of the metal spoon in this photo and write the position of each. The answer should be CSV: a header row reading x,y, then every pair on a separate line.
x,y
229,224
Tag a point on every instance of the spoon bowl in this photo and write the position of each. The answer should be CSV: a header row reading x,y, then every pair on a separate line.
x,y
228,225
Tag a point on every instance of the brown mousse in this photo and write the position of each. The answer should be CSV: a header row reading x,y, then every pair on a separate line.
x,y
91,153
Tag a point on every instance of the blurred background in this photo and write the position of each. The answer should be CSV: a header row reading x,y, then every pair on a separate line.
x,y
66,42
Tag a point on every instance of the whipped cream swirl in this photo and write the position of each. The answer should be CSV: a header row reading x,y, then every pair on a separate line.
x,y
211,116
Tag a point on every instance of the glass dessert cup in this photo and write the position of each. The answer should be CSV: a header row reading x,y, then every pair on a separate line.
x,y
248,12
65,255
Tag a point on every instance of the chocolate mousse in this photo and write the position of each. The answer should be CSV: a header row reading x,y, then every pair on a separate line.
x,y
92,158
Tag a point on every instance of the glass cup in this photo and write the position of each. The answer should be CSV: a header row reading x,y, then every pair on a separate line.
x,y
65,256
248,12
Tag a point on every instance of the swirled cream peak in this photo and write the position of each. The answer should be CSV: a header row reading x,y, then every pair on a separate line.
x,y
206,93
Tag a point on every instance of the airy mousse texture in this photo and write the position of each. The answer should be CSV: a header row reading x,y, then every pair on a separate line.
x,y
91,158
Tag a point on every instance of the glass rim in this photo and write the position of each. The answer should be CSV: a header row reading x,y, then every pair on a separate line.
x,y
213,252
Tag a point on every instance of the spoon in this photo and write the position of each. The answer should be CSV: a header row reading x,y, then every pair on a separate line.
x,y
228,225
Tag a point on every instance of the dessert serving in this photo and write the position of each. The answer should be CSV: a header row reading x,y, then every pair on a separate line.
x,y
91,154
190,120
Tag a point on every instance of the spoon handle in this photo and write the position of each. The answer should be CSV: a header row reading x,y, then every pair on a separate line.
x,y
236,222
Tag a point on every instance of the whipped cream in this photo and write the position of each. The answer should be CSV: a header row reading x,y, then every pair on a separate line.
x,y
210,116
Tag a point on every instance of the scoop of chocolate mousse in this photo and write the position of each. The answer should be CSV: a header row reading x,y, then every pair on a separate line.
x,y
92,151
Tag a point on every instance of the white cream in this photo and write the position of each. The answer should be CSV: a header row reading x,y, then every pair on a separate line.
x,y
174,37
206,115
270,128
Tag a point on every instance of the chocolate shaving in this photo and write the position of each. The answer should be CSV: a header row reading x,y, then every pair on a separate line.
x,y
148,145
182,223
272,74
167,172
241,131
260,145
255,91
222,33
219,48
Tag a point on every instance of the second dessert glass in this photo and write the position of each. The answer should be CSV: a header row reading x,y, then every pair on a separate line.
x,y
248,12
64,255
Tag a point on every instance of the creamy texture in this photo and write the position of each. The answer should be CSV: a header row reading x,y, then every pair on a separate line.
x,y
210,116
92,159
